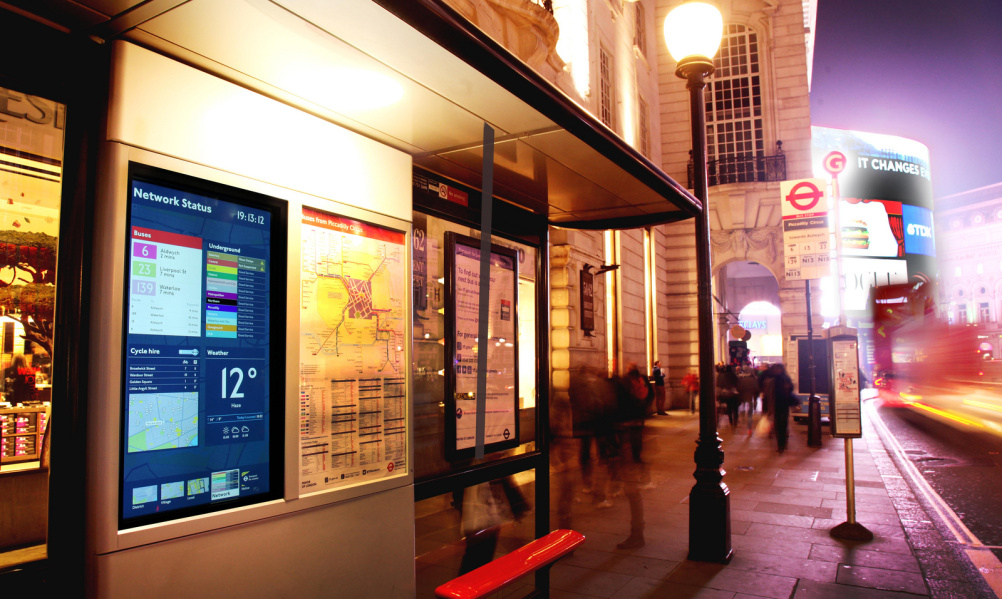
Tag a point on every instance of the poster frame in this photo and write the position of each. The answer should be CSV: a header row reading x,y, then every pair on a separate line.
x,y
837,335
452,451
393,473
278,260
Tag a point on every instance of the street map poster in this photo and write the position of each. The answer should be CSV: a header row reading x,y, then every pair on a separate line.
x,y
846,419
463,347
352,370
202,382
806,239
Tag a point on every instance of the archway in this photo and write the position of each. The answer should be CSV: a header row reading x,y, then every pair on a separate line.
x,y
748,296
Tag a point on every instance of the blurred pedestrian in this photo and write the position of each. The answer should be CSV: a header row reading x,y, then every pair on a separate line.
x,y
748,391
691,384
485,508
782,399
593,408
765,377
727,392
658,375
634,395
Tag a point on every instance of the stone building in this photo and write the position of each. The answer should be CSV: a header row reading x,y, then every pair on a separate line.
x,y
968,226
610,56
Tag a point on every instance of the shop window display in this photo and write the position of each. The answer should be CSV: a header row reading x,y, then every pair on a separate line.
x,y
31,141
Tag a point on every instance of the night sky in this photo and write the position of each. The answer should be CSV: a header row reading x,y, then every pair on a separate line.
x,y
928,70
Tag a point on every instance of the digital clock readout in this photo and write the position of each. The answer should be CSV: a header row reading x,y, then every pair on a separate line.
x,y
257,219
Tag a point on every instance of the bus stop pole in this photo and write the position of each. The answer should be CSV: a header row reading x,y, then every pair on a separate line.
x,y
814,403
850,487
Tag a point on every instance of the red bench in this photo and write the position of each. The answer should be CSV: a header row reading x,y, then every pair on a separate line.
x,y
501,572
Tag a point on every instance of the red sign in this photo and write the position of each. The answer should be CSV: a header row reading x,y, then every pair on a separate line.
x,y
350,226
804,196
835,163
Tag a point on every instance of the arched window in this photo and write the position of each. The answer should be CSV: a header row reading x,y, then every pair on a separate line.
x,y
735,145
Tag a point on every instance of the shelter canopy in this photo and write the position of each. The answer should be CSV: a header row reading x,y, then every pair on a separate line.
x,y
550,156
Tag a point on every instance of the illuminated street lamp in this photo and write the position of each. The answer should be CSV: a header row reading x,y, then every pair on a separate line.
x,y
692,33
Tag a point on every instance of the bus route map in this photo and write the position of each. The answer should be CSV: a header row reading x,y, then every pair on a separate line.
x,y
352,387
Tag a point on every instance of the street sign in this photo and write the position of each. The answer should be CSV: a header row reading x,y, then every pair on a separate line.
x,y
835,163
806,239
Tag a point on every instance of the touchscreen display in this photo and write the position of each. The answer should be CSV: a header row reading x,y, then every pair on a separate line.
x,y
205,270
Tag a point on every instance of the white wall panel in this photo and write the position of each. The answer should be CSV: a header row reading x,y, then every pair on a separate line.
x,y
167,107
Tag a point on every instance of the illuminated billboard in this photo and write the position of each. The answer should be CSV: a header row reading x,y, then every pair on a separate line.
x,y
871,228
877,167
918,229
885,210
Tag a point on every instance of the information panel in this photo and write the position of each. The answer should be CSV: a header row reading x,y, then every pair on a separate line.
x,y
463,347
352,371
845,412
805,229
201,378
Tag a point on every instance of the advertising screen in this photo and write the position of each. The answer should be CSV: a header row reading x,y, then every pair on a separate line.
x,y
202,374
919,234
871,228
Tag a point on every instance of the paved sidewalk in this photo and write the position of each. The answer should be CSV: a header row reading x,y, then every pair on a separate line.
x,y
782,508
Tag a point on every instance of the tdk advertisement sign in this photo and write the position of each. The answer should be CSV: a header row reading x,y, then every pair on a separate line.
x,y
918,230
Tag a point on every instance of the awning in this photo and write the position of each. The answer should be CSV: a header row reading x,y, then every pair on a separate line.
x,y
551,156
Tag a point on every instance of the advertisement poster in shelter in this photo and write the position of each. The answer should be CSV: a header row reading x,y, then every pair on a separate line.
x,y
501,401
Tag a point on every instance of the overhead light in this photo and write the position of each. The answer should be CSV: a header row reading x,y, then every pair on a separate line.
x,y
344,89
693,30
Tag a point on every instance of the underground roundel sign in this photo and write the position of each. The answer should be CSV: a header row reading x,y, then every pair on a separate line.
x,y
803,197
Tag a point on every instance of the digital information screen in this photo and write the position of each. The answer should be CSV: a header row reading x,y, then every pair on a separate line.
x,y
202,378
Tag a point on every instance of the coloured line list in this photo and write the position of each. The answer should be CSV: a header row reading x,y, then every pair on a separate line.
x,y
234,296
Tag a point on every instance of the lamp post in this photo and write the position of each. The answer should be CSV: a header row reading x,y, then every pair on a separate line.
x,y
692,32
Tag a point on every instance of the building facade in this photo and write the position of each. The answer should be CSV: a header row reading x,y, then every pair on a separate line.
x,y
758,129
970,262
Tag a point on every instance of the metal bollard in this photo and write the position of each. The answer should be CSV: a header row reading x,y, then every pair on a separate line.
x,y
814,422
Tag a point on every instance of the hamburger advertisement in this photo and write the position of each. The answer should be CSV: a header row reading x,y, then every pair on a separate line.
x,y
856,236
871,228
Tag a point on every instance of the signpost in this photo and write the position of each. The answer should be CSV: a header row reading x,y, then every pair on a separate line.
x,y
805,229
806,241
846,418
843,368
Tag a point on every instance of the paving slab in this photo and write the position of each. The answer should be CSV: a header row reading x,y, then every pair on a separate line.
x,y
782,509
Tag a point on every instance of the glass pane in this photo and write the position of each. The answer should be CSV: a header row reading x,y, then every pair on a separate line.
x,y
459,531
430,314
31,142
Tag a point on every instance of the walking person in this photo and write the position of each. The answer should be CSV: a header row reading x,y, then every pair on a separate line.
x,y
691,384
727,391
748,391
634,395
658,374
594,406
781,388
765,384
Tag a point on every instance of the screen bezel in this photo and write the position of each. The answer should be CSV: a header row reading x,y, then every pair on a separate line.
x,y
278,257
